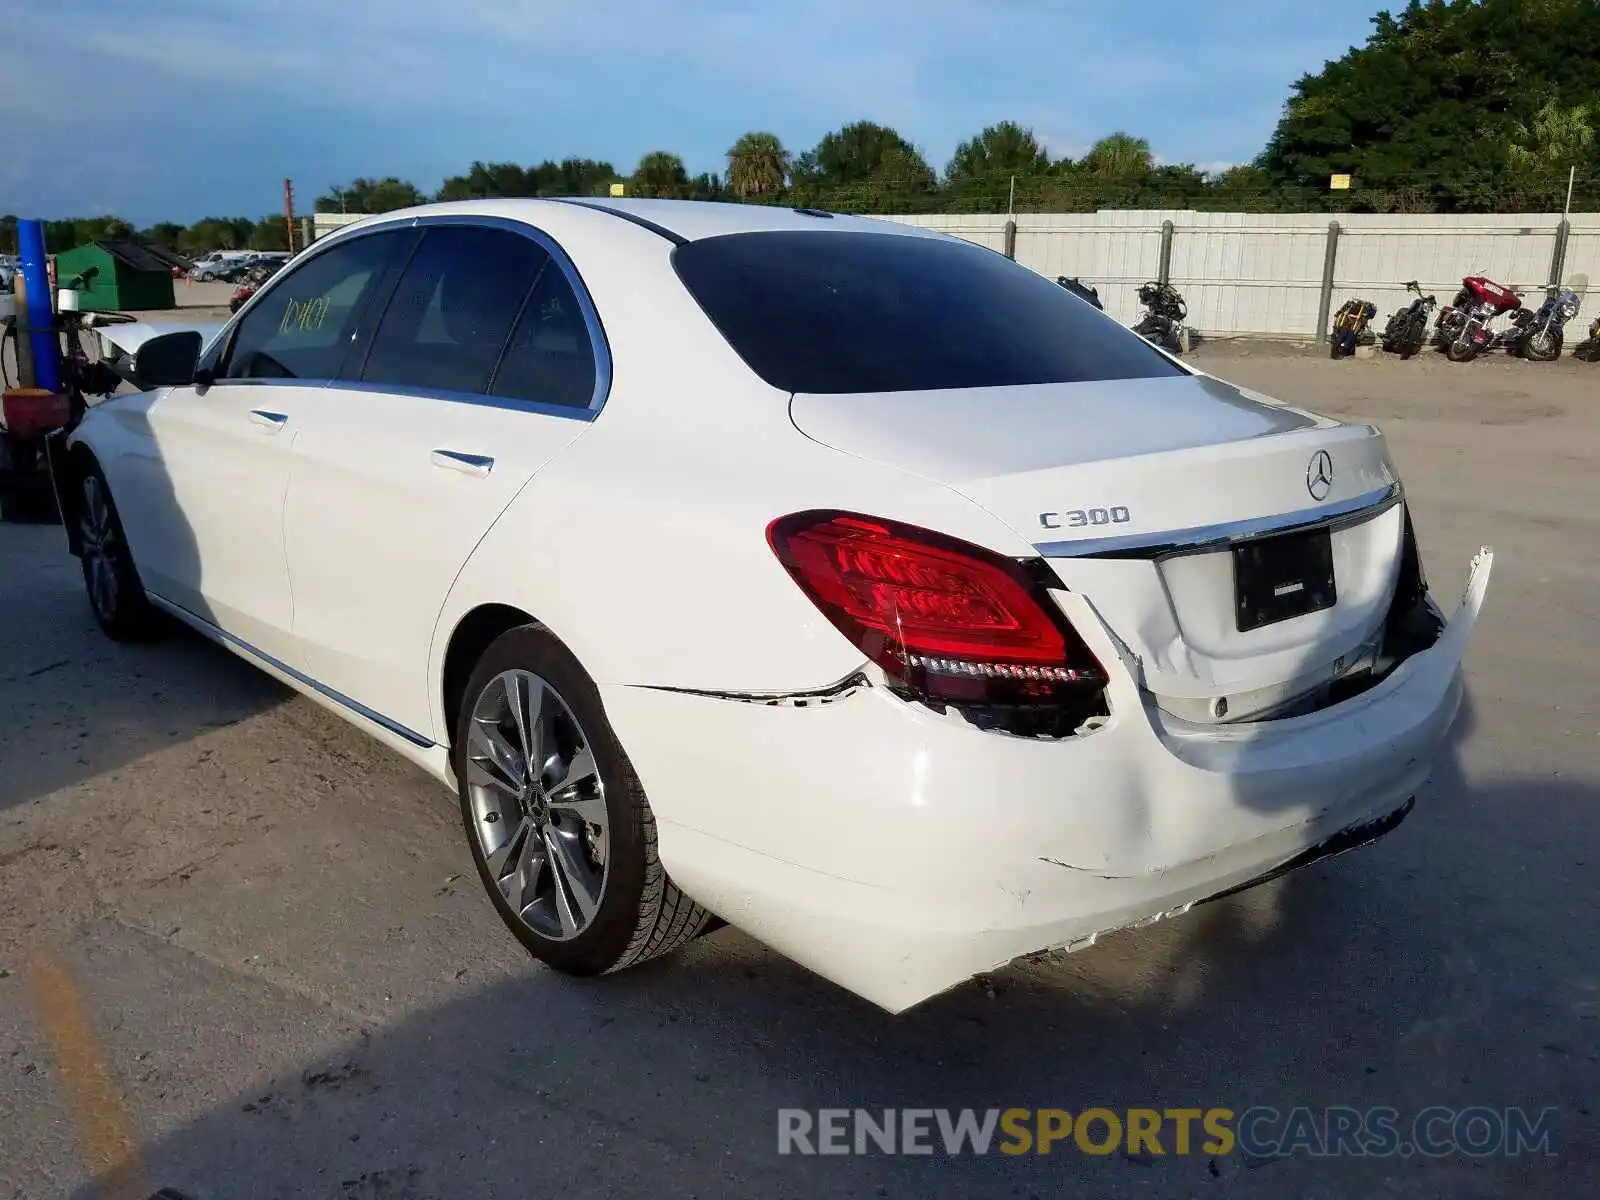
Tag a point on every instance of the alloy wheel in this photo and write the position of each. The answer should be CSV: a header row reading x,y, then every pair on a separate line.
x,y
538,804
98,533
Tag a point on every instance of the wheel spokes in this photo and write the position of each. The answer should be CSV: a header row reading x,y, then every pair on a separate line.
x,y
575,886
524,701
579,770
537,802
488,749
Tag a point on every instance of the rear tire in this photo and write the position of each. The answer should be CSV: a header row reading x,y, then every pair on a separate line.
x,y
566,847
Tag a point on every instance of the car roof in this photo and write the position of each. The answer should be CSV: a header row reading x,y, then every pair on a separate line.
x,y
692,220
679,220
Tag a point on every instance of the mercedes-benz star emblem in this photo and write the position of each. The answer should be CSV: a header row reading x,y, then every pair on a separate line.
x,y
1319,475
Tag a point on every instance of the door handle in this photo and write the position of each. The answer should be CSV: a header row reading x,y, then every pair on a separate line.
x,y
468,464
270,421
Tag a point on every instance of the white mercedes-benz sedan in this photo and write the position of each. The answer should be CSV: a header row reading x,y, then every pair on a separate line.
x,y
841,580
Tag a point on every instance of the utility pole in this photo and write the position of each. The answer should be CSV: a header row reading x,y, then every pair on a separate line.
x,y
288,212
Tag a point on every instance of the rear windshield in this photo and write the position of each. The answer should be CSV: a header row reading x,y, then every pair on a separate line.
x,y
831,312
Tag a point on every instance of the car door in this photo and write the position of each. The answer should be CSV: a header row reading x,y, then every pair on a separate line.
x,y
204,505
484,365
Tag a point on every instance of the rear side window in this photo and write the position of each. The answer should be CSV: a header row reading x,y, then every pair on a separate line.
x,y
451,312
841,312
300,329
550,358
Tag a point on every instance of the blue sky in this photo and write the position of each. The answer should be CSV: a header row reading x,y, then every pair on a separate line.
x,y
177,109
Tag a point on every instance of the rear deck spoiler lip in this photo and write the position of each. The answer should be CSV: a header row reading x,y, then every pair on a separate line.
x,y
1202,539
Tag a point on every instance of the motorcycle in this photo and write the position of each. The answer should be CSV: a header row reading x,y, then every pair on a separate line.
x,y
1463,328
1078,287
1407,330
1537,336
1162,324
1588,350
1350,327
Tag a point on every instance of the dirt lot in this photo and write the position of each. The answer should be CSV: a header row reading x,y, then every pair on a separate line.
x,y
242,952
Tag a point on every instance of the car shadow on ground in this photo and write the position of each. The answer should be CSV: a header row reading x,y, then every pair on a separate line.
x,y
1373,979
79,705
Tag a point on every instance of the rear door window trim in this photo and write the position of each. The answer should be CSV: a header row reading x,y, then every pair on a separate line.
x,y
599,345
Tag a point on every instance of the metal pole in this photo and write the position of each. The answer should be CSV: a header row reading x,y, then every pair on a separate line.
x,y
1011,202
1011,240
1558,254
1572,175
288,213
19,289
1164,271
1325,302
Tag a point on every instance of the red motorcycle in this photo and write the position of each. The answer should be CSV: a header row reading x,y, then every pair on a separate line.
x,y
1462,329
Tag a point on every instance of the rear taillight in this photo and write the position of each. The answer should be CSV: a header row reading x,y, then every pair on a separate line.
x,y
942,617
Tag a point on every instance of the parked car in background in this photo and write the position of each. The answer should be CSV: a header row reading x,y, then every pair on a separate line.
x,y
218,264
840,578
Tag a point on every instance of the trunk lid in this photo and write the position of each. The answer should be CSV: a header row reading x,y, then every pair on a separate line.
x,y
1135,491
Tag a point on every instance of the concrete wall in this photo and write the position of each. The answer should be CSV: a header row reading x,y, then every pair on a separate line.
x,y
322,224
1261,274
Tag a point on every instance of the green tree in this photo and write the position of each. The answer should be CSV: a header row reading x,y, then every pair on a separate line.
x,y
163,233
216,233
1242,188
1424,114
858,153
490,181
864,167
660,174
999,152
1120,156
370,196
758,166
8,233
270,233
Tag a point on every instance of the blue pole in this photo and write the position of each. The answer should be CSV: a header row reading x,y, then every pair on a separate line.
x,y
40,314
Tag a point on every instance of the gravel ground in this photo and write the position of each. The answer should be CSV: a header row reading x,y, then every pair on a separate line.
x,y
296,989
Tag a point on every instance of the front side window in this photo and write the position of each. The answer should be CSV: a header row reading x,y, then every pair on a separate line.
x,y
302,327
447,323
550,359
842,312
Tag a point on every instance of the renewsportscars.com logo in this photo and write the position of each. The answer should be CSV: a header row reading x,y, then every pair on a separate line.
x,y
1258,1132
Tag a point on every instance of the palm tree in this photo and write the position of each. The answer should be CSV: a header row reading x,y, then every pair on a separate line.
x,y
1119,156
758,165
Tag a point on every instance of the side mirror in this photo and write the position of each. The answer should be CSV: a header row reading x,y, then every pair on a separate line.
x,y
168,360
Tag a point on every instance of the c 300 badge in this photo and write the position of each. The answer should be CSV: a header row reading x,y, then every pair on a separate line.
x,y
1080,518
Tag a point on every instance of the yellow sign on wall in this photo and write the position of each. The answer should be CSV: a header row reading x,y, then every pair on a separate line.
x,y
619,189
1339,183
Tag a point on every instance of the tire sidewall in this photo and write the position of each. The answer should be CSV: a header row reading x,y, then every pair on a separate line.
x,y
132,617
597,948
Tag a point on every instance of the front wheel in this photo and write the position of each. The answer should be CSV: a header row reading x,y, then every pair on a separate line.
x,y
563,839
1462,350
116,596
1543,345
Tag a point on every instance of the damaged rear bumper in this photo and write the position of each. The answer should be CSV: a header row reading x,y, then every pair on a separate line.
x,y
898,852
